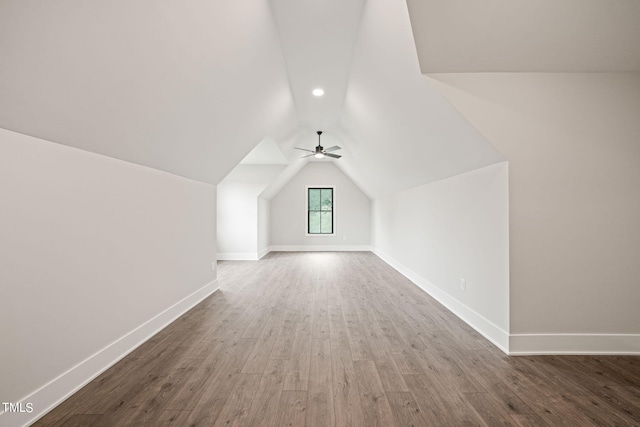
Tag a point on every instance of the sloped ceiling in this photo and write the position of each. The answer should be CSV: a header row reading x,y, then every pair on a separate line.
x,y
318,39
191,87
266,152
398,131
460,36
188,87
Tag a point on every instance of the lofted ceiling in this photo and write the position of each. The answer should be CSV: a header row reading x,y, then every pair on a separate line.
x,y
459,36
266,152
188,87
191,87
399,132
318,40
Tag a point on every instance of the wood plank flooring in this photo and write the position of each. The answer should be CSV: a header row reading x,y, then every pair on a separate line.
x,y
342,339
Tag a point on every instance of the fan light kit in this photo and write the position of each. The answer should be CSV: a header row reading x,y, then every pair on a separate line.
x,y
320,151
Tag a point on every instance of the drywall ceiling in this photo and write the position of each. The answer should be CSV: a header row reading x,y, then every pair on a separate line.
x,y
192,87
460,36
398,131
267,152
318,38
188,87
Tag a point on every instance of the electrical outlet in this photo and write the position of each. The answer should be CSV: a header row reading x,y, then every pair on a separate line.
x,y
463,284
213,266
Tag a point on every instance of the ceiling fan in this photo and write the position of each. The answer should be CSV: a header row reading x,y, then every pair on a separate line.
x,y
320,151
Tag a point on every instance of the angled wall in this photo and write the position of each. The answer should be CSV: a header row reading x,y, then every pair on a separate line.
x,y
572,145
457,228
241,219
96,255
352,213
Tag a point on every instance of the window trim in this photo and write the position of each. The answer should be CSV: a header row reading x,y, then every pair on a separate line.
x,y
306,211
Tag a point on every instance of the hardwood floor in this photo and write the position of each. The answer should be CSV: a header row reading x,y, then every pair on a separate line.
x,y
324,339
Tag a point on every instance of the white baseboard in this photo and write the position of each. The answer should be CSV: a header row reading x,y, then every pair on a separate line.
x,y
238,256
584,344
524,344
250,256
263,252
59,389
495,334
321,248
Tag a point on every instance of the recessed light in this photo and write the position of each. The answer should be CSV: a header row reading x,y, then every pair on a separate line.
x,y
318,92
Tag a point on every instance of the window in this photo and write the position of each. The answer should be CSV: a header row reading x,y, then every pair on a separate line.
x,y
320,210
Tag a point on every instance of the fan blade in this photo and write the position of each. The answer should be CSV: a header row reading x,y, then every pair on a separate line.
x,y
335,156
304,149
308,155
334,148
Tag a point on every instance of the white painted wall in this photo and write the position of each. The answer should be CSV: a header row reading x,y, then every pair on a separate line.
x,y
453,229
264,220
91,249
352,215
237,210
572,141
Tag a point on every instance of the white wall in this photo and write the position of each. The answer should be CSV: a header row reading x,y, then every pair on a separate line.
x,y
237,210
91,249
352,214
453,229
264,225
572,141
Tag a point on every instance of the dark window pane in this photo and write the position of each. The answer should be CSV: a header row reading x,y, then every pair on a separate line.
x,y
314,222
326,222
320,210
314,199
